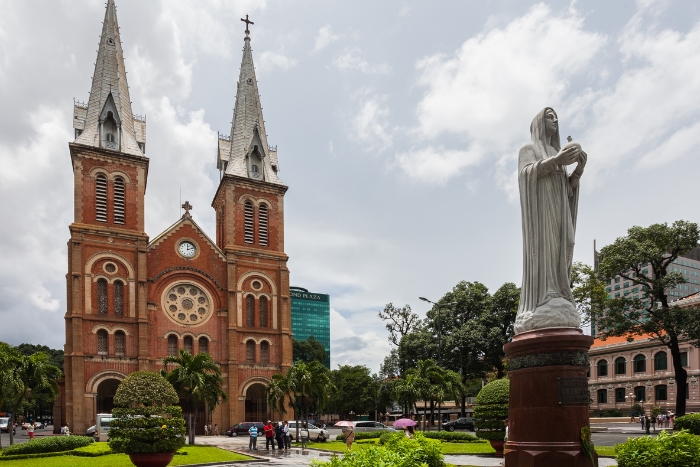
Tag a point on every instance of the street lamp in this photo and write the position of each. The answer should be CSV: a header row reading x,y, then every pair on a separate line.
x,y
445,305
630,398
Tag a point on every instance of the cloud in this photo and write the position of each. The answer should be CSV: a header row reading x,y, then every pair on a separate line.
x,y
370,123
349,347
435,164
269,60
324,37
350,59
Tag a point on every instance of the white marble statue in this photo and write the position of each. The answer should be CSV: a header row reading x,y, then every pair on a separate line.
x,y
549,205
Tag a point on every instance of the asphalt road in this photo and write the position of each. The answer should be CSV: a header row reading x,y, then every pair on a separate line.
x,y
22,437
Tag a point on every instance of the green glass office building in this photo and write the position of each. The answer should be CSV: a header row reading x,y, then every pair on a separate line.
x,y
311,316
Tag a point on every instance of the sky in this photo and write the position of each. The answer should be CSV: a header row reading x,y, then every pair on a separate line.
x,y
398,125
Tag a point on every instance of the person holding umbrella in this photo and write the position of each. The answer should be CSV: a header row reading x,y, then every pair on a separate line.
x,y
348,433
407,424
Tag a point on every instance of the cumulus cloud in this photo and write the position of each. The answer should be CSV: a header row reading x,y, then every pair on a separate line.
x,y
348,347
370,123
351,59
269,60
436,164
324,37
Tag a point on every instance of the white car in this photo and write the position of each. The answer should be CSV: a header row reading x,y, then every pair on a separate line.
x,y
315,433
4,422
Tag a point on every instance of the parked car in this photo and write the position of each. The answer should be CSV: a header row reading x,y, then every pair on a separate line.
x,y
315,433
464,423
242,429
4,422
371,426
91,431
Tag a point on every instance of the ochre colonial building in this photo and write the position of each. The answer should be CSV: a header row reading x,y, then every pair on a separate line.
x,y
132,301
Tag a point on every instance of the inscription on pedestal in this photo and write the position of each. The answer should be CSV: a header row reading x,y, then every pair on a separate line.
x,y
573,391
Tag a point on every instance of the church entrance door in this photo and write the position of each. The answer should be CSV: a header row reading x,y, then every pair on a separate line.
x,y
256,404
105,395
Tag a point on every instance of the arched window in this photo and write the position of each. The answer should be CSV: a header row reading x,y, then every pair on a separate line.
x,y
102,346
172,345
250,351
262,225
620,366
188,344
119,210
250,311
118,298
660,361
102,296
110,131
661,392
602,368
263,312
602,396
101,198
264,352
203,345
248,222
640,364
639,394
119,343
620,395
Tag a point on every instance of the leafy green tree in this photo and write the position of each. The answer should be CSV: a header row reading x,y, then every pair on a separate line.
x,y
405,390
588,289
391,366
309,350
354,384
428,378
399,321
643,257
55,356
197,378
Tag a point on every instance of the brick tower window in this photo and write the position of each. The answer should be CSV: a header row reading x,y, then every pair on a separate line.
x,y
263,312
250,311
101,198
102,346
188,344
250,351
118,298
249,214
262,225
119,211
172,345
203,345
119,343
264,352
102,296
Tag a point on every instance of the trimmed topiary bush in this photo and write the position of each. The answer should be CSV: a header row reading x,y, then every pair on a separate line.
x,y
688,422
48,444
444,436
146,422
666,450
396,451
491,410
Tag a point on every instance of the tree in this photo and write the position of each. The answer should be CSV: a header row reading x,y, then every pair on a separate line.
x,y
309,350
428,378
400,321
197,379
55,356
588,290
8,382
643,258
354,385
390,367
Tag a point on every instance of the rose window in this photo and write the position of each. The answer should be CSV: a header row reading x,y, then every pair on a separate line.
x,y
187,304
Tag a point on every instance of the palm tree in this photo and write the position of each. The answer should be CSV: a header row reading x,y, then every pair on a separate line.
x,y
450,389
427,376
405,390
196,378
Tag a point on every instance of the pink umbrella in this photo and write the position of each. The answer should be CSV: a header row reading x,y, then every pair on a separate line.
x,y
402,422
344,423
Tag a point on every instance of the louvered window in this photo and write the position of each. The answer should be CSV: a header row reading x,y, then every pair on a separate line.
x,y
249,214
203,345
102,296
119,201
118,298
172,345
250,351
250,311
101,198
102,345
264,352
188,344
262,225
263,312
119,343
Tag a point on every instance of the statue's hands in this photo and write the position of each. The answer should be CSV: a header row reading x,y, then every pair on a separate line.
x,y
582,159
568,155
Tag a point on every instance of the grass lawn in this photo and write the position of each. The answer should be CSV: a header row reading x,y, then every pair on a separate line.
x,y
605,451
195,455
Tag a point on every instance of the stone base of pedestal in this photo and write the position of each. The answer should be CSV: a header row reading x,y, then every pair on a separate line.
x,y
549,398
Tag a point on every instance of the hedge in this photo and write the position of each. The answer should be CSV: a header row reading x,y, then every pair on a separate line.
x,y
688,422
48,444
398,451
666,450
491,410
364,435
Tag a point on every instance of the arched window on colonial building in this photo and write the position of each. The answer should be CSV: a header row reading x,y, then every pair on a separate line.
x,y
660,361
188,344
102,343
640,364
602,396
602,368
263,312
264,352
250,351
102,296
203,345
250,311
172,345
661,392
119,343
620,366
118,289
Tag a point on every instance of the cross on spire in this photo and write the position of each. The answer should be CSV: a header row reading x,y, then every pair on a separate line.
x,y
247,22
187,207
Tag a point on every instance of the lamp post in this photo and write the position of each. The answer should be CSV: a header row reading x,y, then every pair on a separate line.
x,y
630,398
446,305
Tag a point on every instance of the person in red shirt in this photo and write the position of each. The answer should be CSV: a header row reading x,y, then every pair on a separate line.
x,y
269,435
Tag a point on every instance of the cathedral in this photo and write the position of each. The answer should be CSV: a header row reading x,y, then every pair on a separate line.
x,y
133,300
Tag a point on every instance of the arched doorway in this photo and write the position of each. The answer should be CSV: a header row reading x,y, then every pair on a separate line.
x,y
256,404
105,395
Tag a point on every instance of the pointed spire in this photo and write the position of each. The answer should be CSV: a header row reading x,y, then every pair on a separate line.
x,y
248,125
110,94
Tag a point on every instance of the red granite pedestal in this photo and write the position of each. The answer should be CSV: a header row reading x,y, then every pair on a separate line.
x,y
549,398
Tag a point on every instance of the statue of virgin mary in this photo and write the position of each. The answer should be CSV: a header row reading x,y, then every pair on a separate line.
x,y
549,205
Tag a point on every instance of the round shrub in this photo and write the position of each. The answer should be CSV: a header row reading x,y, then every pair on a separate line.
x,y
48,444
491,410
144,388
688,422
666,450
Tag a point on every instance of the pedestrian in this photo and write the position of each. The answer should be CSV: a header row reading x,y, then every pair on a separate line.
x,y
349,435
206,430
30,430
269,435
653,423
408,431
253,432
647,423
304,435
287,437
506,424
66,431
279,436
216,429
641,420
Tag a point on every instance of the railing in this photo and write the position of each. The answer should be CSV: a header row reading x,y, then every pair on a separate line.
x,y
224,137
140,118
271,148
82,105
